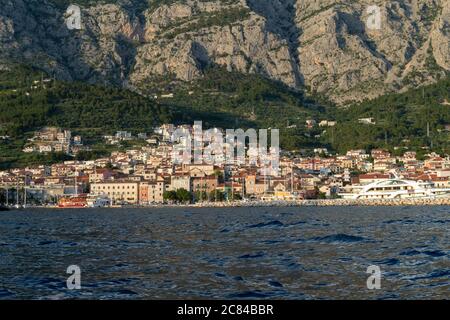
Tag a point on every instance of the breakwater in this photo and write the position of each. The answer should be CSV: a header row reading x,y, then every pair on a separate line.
x,y
332,203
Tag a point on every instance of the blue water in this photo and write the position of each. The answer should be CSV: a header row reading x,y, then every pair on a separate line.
x,y
230,253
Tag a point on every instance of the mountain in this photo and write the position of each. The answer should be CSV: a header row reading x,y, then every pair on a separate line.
x,y
324,46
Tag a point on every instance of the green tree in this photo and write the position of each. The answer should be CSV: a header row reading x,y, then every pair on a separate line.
x,y
170,196
183,195
217,196
200,196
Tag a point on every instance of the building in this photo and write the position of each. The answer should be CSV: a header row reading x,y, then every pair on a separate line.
x,y
280,192
48,134
359,154
123,135
200,170
64,137
253,186
434,163
180,181
380,154
100,175
369,178
118,191
384,165
77,140
206,184
367,121
151,192
441,182
142,136
327,123
29,149
310,123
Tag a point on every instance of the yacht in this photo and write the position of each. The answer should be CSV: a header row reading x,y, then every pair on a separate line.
x,y
98,201
394,189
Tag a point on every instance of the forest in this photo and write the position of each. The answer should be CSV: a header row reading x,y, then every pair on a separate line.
x,y
29,100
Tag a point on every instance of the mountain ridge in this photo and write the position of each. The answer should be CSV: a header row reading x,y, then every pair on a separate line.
x,y
322,45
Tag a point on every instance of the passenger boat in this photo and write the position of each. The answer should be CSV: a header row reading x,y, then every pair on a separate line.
x,y
79,201
395,189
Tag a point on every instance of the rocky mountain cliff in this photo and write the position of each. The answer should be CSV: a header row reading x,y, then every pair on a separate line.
x,y
323,45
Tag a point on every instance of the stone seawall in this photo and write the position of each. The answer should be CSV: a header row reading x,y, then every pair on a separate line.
x,y
333,202
302,203
379,202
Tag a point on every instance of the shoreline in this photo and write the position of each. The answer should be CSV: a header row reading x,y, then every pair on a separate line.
x,y
301,203
327,203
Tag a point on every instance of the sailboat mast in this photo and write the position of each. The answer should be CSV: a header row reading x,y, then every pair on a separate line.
x,y
17,191
76,188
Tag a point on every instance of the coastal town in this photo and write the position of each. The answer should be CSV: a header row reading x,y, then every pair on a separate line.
x,y
148,175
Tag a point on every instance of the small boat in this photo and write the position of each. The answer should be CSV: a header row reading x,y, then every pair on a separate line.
x,y
98,201
79,201
4,208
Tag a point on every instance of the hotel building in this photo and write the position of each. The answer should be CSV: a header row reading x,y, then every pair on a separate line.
x,y
118,191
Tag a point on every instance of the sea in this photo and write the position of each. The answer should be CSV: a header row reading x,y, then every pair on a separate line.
x,y
226,253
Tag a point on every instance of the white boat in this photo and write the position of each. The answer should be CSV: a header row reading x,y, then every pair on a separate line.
x,y
98,201
394,189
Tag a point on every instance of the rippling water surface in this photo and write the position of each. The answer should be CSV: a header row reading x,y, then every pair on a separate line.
x,y
231,253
